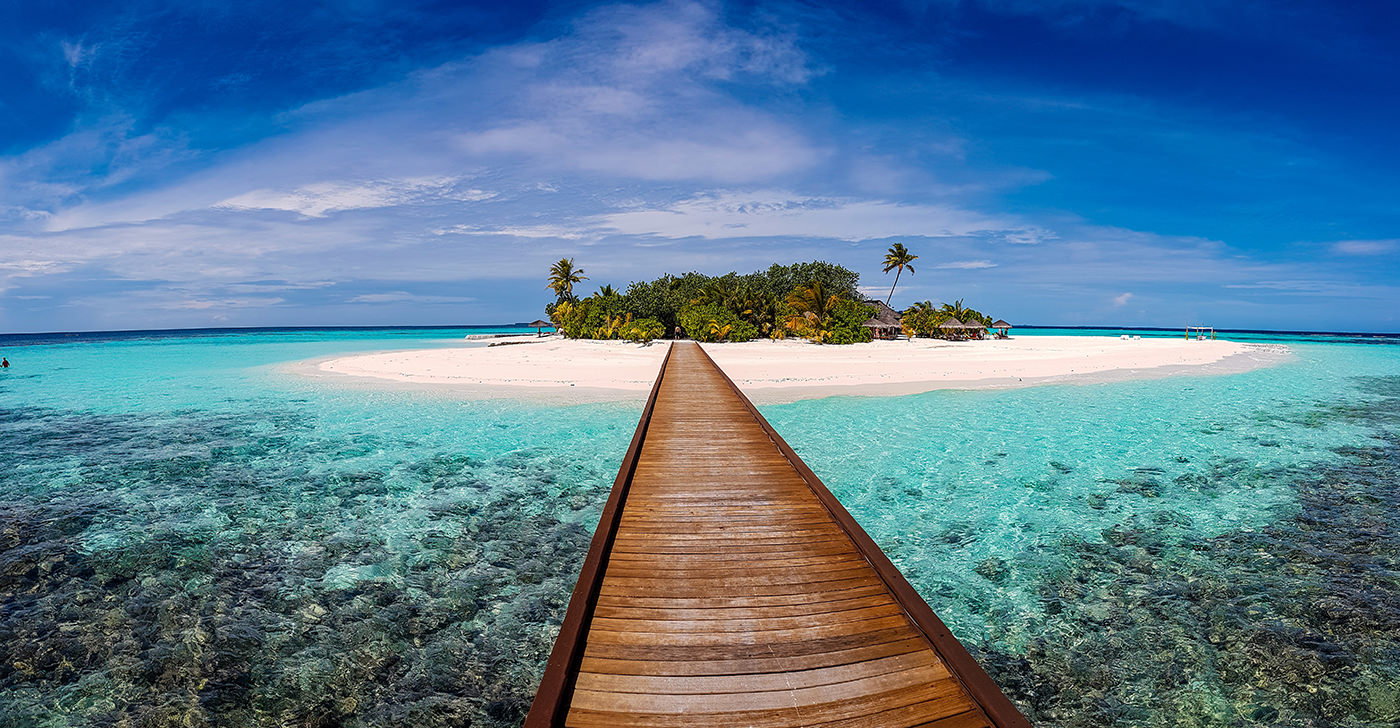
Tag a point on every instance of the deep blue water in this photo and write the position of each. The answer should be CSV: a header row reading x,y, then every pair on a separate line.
x,y
191,536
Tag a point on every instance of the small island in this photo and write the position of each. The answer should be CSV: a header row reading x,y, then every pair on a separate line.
x,y
790,332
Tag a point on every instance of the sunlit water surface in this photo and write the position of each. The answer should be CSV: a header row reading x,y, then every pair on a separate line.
x,y
191,536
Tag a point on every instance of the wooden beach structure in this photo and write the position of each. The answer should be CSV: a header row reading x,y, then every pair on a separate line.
x,y
726,586
886,323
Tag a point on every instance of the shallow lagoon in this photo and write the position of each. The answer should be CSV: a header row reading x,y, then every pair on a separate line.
x,y
189,536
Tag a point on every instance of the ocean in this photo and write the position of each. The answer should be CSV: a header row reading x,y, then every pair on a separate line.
x,y
191,536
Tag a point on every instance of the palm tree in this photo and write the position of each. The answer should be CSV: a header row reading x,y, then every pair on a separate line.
x,y
954,310
607,291
813,306
897,259
720,332
562,277
919,307
612,326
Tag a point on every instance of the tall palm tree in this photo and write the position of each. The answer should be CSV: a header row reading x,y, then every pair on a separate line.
x,y
897,258
607,291
562,277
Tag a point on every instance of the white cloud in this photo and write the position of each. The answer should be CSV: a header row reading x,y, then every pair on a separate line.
x,y
710,151
30,266
202,304
967,264
323,198
782,214
1366,247
556,232
278,287
1122,299
687,38
632,93
405,296
76,54
1029,236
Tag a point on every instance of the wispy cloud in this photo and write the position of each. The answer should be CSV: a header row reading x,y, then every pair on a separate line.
x,y
966,265
406,297
1122,299
204,304
784,214
1365,247
555,232
323,198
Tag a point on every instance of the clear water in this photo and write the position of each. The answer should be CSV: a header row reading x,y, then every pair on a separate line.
x,y
189,536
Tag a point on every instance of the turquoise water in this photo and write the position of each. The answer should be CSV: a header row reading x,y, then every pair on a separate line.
x,y
191,536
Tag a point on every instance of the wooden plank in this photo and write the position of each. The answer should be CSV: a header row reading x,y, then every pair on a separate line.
x,y
729,592
682,613
712,684
740,600
744,699
937,701
744,624
753,665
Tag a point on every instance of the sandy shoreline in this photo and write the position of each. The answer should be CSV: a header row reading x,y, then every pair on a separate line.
x,y
559,369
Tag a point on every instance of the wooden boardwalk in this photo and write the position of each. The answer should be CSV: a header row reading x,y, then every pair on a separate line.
x,y
725,586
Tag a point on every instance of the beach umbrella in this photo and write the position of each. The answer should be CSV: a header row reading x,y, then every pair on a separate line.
x,y
1001,324
951,323
538,325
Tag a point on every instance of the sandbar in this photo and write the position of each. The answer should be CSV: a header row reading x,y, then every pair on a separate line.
x,y
777,371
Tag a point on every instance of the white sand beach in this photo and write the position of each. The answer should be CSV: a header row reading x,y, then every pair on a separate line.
x,y
793,369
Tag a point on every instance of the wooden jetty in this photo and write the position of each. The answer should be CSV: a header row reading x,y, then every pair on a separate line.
x,y
726,586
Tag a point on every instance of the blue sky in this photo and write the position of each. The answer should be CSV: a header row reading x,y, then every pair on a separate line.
x,y
1114,162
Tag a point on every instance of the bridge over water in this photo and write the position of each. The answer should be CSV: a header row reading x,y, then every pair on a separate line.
x,y
726,586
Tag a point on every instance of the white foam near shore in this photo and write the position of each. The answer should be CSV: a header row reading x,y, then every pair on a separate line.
x,y
792,369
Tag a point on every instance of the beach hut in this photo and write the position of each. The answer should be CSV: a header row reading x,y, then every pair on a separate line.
x,y
974,330
539,325
1002,327
951,328
885,324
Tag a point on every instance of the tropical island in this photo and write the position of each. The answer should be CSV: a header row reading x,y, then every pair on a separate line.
x,y
788,332
816,301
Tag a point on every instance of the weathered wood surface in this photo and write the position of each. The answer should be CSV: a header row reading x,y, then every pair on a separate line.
x,y
726,587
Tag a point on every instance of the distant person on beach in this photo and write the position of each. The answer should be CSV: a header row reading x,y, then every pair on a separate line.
x,y
678,333
4,363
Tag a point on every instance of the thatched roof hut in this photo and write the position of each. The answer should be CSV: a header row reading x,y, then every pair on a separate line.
x,y
539,325
885,324
1000,324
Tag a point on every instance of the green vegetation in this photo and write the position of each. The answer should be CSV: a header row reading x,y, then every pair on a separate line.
x,y
817,314
815,300
712,322
643,330
562,277
923,319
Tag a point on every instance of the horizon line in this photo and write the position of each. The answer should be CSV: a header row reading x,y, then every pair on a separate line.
x,y
523,325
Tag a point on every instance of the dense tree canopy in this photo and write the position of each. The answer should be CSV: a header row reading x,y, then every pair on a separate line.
x,y
731,307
